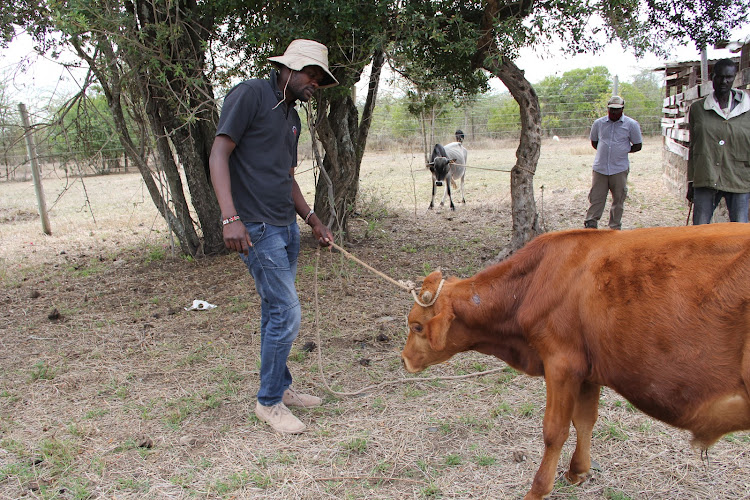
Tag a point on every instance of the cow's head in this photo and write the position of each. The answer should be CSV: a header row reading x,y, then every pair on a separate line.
x,y
428,342
439,164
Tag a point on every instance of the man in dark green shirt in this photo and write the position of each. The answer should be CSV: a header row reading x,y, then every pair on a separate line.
x,y
719,161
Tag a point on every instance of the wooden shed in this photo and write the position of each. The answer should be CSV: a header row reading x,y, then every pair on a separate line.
x,y
685,82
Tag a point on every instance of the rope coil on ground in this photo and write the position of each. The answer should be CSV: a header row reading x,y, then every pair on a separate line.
x,y
409,287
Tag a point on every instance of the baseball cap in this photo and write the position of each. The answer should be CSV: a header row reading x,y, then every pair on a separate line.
x,y
301,53
616,102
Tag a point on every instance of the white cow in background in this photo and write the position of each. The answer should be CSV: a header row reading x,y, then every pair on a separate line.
x,y
448,165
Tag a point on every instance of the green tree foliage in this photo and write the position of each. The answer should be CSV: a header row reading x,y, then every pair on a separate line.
x,y
504,118
83,129
571,102
643,101
150,59
11,135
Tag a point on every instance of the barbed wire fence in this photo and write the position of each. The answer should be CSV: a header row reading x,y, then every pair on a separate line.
x,y
63,151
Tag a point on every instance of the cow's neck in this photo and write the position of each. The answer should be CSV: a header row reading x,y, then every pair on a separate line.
x,y
487,304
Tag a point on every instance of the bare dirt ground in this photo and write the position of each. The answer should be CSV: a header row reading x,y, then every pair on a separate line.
x,y
109,388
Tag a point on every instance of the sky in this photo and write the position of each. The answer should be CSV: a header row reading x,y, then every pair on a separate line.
x,y
42,79
617,60
31,78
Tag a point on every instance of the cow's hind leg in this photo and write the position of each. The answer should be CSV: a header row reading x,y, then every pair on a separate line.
x,y
584,417
562,390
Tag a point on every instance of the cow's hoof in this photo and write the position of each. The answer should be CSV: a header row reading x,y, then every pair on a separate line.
x,y
576,479
429,208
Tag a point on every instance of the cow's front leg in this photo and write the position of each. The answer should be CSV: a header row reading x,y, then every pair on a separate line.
x,y
432,200
561,392
450,198
584,417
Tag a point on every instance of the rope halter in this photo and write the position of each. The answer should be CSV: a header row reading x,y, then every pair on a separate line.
x,y
427,295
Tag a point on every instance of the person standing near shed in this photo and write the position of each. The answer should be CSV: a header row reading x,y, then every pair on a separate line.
x,y
252,170
719,160
614,137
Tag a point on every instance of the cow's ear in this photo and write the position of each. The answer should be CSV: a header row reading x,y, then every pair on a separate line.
x,y
437,330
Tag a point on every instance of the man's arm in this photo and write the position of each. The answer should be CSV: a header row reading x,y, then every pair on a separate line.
x,y
320,230
693,139
594,134
235,234
636,138
690,192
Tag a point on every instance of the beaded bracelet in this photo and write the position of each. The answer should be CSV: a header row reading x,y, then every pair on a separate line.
x,y
309,214
229,220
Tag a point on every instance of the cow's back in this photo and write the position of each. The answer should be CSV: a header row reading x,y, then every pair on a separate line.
x,y
661,315
457,152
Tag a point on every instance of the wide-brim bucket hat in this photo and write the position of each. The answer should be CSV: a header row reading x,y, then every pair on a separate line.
x,y
301,53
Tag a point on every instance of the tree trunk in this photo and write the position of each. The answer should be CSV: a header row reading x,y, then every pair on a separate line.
x,y
338,133
189,240
109,77
182,114
344,142
525,217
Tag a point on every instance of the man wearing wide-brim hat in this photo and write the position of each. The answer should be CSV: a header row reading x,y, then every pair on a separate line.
x,y
252,170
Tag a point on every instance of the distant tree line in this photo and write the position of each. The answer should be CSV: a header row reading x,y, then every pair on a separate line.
x,y
81,131
569,104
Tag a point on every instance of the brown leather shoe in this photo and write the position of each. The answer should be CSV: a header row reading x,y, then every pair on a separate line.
x,y
294,398
280,418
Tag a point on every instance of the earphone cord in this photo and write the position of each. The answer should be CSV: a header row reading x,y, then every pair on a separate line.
x,y
283,97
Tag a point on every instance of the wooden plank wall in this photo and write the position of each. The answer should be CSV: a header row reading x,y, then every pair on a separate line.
x,y
682,83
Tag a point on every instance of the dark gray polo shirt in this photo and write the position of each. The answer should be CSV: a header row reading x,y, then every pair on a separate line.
x,y
266,138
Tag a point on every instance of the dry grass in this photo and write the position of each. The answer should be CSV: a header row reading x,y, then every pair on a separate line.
x,y
127,395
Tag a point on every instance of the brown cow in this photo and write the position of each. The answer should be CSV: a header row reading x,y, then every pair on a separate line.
x,y
660,315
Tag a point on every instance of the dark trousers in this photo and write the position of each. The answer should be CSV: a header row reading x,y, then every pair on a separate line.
x,y
601,185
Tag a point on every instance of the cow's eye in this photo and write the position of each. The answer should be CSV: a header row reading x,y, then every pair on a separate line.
x,y
417,328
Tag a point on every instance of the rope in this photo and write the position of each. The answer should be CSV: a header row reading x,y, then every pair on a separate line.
x,y
387,382
409,286
428,304
492,169
404,285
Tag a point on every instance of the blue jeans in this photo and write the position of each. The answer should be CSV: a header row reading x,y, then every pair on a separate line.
x,y
705,201
272,261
